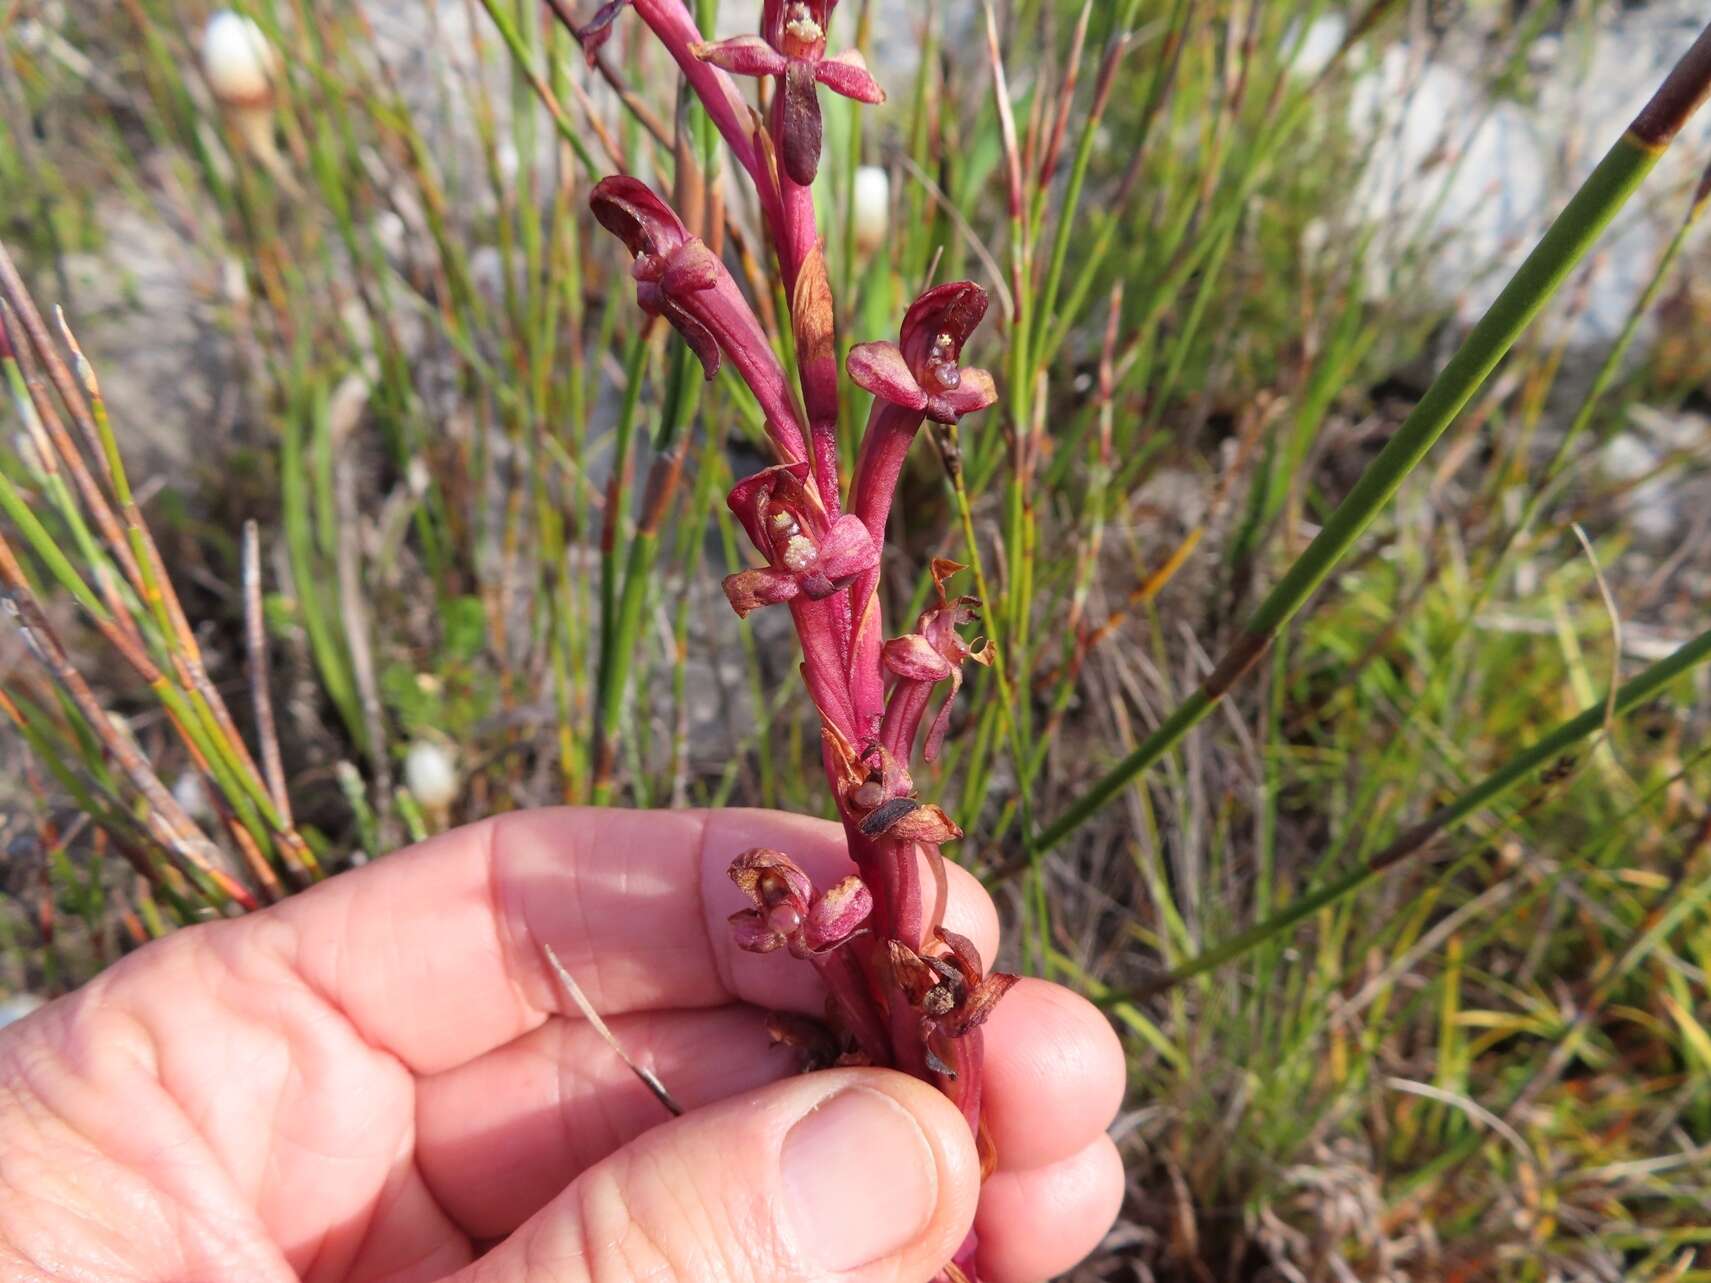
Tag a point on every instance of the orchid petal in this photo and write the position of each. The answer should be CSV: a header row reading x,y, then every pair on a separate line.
x,y
697,335
742,56
903,819
941,722
974,392
629,209
979,1004
913,976
846,73
752,933
926,824
913,658
773,14
837,914
949,311
749,590
599,28
847,550
879,368
771,877
691,268
943,571
751,498
963,955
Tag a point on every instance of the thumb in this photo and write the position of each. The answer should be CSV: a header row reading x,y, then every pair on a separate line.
x,y
856,1174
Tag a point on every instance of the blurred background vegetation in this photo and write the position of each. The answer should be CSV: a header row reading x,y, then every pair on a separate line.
x,y
344,546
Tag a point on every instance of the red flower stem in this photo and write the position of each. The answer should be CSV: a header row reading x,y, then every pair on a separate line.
x,y
822,662
903,716
907,919
890,431
966,1091
739,334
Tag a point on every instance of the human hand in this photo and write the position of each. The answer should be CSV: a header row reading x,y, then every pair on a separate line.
x,y
374,1081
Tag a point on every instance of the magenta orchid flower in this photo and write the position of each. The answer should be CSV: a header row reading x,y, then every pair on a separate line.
x,y
903,991
807,553
792,48
915,379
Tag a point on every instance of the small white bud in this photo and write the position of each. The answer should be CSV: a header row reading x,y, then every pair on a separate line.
x,y
872,203
431,775
238,60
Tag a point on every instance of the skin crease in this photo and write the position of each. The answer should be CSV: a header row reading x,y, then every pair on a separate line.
x,y
372,1081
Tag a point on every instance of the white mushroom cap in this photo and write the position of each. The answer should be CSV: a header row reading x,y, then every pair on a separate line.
x,y
238,60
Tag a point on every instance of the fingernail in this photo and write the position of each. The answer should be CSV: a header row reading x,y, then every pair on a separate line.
x,y
860,1179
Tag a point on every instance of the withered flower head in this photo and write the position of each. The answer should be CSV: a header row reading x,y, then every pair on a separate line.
x,y
948,989
937,650
788,912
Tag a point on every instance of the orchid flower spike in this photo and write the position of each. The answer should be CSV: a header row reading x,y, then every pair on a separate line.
x,y
793,48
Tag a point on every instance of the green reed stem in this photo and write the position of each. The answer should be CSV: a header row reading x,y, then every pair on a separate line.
x,y
1539,756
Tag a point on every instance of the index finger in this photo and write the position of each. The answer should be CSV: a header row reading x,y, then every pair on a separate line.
x,y
434,954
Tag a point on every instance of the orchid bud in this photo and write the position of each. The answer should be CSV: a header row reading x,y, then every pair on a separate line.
x,y
431,775
678,277
871,208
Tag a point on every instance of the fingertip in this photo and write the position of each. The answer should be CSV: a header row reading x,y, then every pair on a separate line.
x,y
881,1178
1055,1074
1038,1224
